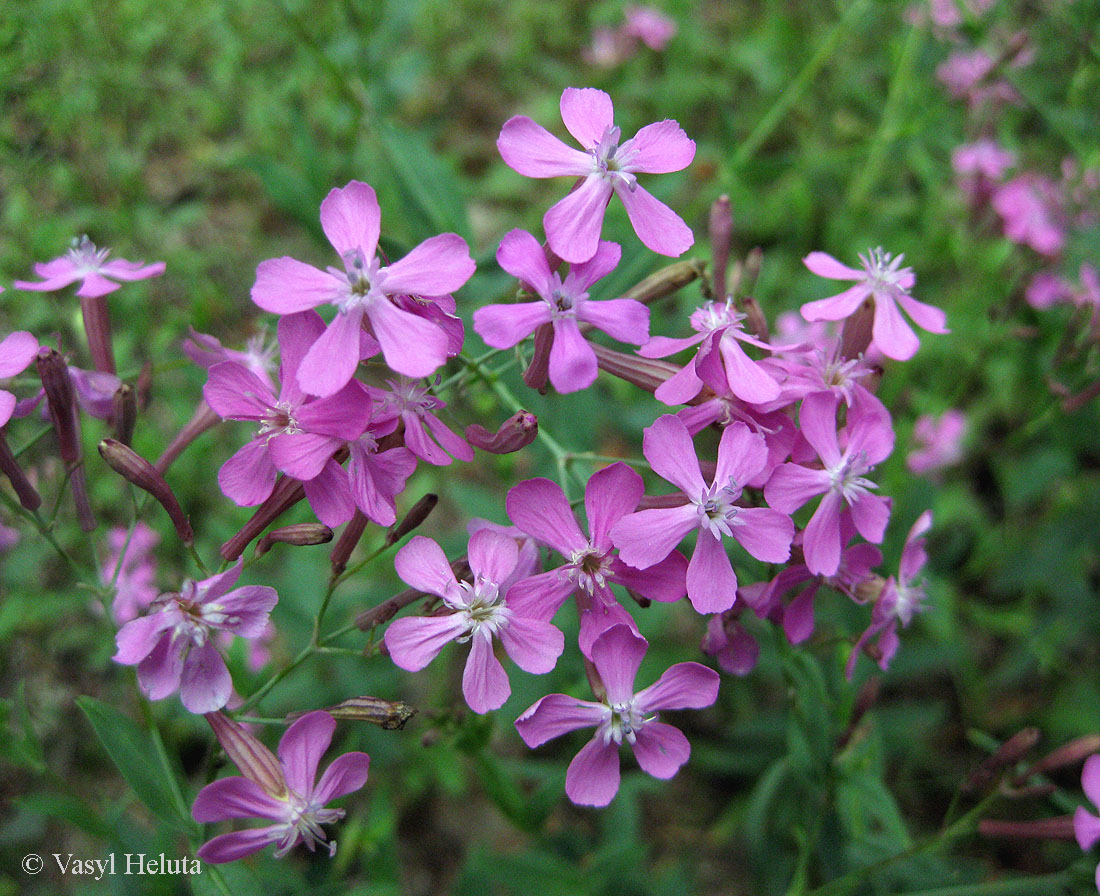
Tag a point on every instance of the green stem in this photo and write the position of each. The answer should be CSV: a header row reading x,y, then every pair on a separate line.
x,y
34,440
793,93
265,689
1054,884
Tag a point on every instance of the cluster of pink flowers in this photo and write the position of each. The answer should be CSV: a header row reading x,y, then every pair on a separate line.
x,y
769,449
641,25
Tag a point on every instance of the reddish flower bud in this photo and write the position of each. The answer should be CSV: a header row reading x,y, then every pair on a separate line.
x,y
349,538
299,535
134,468
97,328
390,715
518,431
61,402
721,238
9,466
665,282
125,413
538,371
419,512
646,373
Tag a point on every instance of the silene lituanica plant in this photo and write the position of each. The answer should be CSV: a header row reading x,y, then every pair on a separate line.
x,y
764,459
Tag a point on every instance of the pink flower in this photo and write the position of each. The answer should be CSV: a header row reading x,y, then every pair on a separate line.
x,y
843,480
478,612
728,642
648,536
16,353
565,305
1086,826
172,646
884,280
900,599
87,263
375,478
939,441
980,166
288,794
258,356
411,402
573,225
1031,210
297,435
132,571
539,508
621,715
365,290
650,26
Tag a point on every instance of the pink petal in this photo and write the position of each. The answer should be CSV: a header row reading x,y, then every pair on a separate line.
x,y
492,556
742,454
7,406
540,596
649,536
351,219
682,686
301,455
484,681
821,539
345,775
538,507
302,747
329,495
521,255
871,513
238,844
747,379
798,618
681,387
334,357
95,285
249,608
587,113
235,797
16,353
343,416
574,223
285,285
617,654
611,494
660,148
572,360
438,266
555,715
824,265
533,151
592,778
410,344
764,533
836,307
297,334
205,684
140,637
817,419
236,393
892,335
668,447
502,326
1086,828
663,346
665,581
623,319
533,645
456,445
159,673
658,227
423,565
928,317
248,477
661,749
414,641
790,486
121,269
711,582
606,259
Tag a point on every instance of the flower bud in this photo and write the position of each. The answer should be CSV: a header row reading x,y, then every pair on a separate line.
x,y
857,332
299,535
1075,751
255,761
388,714
349,538
1060,828
61,402
125,413
646,373
1009,753
665,282
538,371
97,328
518,431
416,515
286,494
134,468
9,466
721,238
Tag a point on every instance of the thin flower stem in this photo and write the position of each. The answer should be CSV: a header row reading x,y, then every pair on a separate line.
x,y
1054,884
458,377
265,689
259,720
44,529
352,570
793,93
34,440
607,459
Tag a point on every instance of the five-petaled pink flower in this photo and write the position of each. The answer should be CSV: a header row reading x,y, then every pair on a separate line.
x,y
173,647
648,536
287,792
564,305
16,353
1086,826
621,715
887,283
478,612
85,262
573,225
365,290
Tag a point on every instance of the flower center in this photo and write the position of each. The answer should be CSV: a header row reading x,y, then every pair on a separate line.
x,y
84,254
883,269
564,298
279,420
482,608
589,569
610,162
621,722
364,282
303,822
407,395
717,509
848,476
714,315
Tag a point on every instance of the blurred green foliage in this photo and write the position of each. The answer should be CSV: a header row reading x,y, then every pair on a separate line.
x,y
206,133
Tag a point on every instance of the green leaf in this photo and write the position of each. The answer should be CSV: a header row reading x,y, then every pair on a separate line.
x,y
133,752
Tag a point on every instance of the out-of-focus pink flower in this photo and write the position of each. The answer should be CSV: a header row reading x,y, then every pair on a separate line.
x,y
288,794
365,291
650,26
563,304
85,262
258,355
173,647
592,778
9,537
728,642
1086,826
1031,210
573,225
980,166
939,441
884,280
16,353
133,572
479,612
